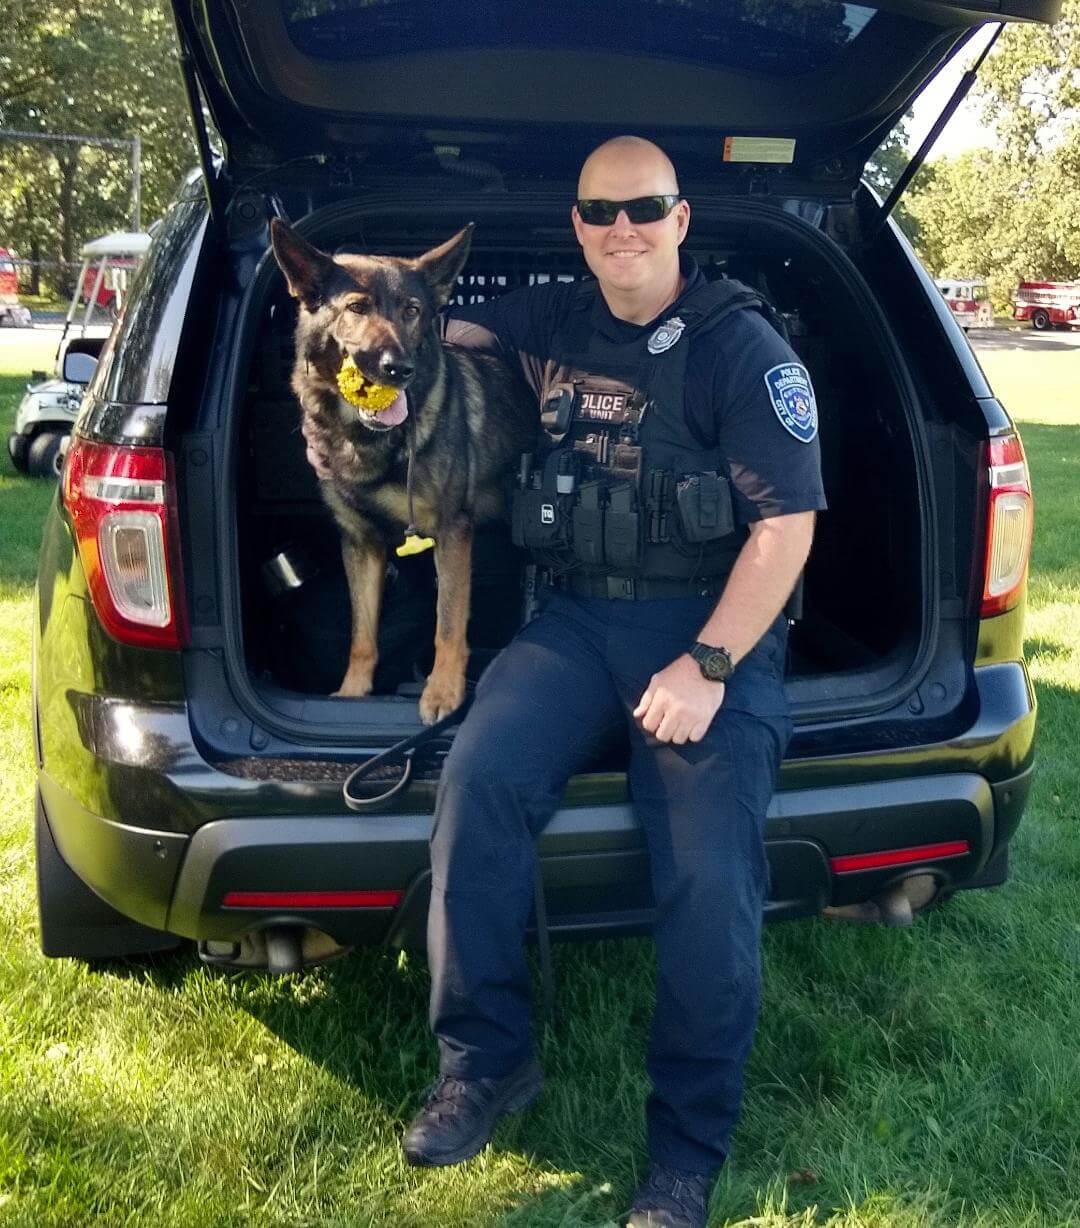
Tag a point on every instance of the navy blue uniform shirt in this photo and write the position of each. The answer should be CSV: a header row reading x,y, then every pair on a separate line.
x,y
729,398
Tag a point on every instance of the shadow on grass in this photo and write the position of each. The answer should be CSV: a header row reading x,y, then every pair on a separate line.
x,y
363,1018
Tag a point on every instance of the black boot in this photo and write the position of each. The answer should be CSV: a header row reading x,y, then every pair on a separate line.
x,y
460,1115
671,1198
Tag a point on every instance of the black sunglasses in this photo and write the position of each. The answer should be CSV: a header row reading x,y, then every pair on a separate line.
x,y
639,210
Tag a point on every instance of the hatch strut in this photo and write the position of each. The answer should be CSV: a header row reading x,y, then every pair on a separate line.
x,y
909,171
202,139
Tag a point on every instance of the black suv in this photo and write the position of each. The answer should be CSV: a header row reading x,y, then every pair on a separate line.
x,y
192,617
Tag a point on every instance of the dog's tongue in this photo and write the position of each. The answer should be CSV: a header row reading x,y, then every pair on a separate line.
x,y
396,412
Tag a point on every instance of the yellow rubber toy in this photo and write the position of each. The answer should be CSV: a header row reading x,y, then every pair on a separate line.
x,y
358,391
414,545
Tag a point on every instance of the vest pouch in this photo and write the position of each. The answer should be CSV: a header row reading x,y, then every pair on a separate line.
x,y
705,507
588,524
622,528
540,517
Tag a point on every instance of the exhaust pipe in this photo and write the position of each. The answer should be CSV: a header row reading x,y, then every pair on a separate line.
x,y
284,953
281,949
895,906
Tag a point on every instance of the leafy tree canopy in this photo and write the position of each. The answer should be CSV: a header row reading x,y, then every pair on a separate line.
x,y
1010,212
102,68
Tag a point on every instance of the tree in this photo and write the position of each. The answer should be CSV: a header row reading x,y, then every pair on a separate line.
x,y
1011,213
981,215
1029,87
99,67
890,158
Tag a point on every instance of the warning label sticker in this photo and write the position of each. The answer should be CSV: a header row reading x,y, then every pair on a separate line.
x,y
759,149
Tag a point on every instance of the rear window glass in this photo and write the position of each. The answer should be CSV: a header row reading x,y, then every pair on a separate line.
x,y
772,36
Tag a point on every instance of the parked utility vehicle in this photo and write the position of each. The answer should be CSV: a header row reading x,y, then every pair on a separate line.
x,y
1048,304
46,413
192,614
969,301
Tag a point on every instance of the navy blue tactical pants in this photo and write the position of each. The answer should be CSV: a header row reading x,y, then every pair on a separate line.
x,y
566,685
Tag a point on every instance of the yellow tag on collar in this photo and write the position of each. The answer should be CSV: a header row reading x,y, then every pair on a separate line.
x,y
414,545
362,393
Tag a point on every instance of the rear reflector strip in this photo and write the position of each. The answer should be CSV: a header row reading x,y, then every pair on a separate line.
x,y
898,857
312,899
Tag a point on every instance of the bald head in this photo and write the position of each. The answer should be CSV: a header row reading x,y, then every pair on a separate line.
x,y
636,263
626,167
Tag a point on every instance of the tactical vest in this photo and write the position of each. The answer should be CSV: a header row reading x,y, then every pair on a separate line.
x,y
623,487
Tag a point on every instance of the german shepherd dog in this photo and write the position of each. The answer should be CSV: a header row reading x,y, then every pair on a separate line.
x,y
468,414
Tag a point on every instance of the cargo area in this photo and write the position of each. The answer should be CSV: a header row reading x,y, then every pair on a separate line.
x,y
864,604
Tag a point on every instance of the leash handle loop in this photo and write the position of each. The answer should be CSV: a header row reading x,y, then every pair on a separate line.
x,y
404,750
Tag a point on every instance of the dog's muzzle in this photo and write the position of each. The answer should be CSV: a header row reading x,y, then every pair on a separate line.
x,y
386,419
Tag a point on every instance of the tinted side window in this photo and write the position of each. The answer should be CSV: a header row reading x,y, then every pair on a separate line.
x,y
137,365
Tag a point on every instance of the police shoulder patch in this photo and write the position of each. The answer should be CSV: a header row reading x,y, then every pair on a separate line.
x,y
792,397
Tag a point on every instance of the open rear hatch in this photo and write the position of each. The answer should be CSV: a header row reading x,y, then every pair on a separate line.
x,y
809,86
514,96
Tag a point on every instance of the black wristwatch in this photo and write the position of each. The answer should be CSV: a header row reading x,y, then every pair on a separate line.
x,y
714,663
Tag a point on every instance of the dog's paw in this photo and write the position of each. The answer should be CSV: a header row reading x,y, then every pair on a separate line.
x,y
441,697
353,687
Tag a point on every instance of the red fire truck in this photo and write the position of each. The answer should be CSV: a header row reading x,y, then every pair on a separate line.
x,y
968,299
1048,304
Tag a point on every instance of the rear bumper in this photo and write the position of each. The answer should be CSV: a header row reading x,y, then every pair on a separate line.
x,y
180,834
594,863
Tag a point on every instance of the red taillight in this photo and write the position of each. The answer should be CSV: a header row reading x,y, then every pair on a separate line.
x,y
1010,519
121,506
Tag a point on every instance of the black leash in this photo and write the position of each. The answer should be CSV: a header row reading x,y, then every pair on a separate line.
x,y
543,944
410,528
404,752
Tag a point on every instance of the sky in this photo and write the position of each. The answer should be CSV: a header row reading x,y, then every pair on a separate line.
x,y
965,130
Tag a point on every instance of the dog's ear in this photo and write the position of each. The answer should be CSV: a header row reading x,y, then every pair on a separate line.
x,y
442,264
306,269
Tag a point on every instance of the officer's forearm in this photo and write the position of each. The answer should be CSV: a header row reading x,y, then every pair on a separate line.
x,y
760,583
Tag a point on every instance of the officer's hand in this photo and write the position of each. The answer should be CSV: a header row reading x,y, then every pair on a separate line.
x,y
679,704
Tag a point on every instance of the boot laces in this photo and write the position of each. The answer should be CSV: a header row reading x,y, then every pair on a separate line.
x,y
449,1097
665,1184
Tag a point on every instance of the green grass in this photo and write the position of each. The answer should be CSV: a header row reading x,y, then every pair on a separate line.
x,y
49,301
900,1078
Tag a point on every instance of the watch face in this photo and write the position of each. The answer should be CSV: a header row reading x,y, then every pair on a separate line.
x,y
715,666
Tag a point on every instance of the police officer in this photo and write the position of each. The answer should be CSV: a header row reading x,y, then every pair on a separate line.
x,y
671,511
